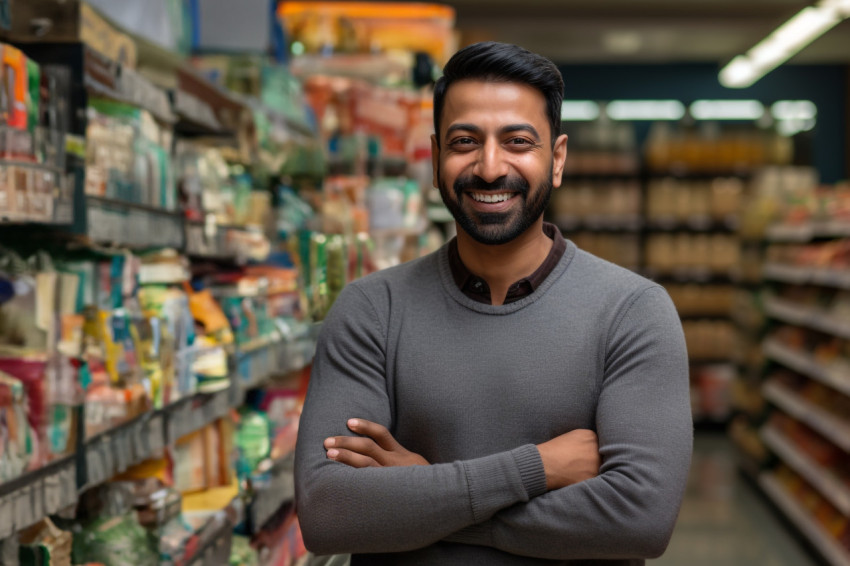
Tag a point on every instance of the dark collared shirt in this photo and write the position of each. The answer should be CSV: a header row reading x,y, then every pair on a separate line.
x,y
477,289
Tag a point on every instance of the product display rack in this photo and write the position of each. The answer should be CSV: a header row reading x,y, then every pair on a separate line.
x,y
803,434
92,223
55,486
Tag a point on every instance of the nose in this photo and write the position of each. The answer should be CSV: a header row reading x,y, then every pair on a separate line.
x,y
490,164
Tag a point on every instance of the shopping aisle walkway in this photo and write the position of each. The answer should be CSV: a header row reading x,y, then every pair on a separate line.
x,y
724,520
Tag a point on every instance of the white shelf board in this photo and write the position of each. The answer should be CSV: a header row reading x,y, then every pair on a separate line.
x,y
834,553
836,376
818,319
831,427
821,479
808,231
803,275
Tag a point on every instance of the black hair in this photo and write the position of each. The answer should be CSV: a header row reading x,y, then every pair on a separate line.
x,y
503,62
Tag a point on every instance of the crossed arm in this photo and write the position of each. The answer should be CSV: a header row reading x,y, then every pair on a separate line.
x,y
567,459
624,507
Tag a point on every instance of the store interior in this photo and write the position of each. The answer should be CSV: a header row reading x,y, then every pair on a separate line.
x,y
186,186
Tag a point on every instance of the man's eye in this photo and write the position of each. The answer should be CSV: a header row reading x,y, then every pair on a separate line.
x,y
519,141
462,141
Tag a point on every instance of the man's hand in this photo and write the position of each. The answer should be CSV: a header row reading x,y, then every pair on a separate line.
x,y
570,458
375,447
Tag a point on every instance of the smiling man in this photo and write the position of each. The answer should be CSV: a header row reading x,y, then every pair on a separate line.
x,y
508,399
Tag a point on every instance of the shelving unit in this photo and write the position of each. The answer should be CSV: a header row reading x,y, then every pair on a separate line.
x,y
93,227
817,319
798,275
803,383
821,479
828,425
825,544
97,459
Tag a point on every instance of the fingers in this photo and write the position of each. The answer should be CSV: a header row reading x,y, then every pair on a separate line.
x,y
350,458
356,445
376,432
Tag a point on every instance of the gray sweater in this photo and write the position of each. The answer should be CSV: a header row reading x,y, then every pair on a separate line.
x,y
472,388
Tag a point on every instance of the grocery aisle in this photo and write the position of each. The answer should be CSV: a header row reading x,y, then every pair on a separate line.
x,y
725,520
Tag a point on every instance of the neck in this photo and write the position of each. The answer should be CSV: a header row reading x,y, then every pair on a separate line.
x,y
503,265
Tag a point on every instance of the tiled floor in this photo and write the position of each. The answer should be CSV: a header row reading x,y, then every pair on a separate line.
x,y
725,521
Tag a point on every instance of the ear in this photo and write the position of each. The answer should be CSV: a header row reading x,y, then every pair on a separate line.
x,y
559,158
435,161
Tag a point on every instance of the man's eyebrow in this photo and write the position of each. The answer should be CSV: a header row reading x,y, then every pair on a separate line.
x,y
472,128
510,128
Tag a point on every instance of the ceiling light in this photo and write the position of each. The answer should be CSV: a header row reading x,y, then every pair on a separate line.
x,y
792,127
622,42
727,109
840,6
786,41
794,110
645,110
579,110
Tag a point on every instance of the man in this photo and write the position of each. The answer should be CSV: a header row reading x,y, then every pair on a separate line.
x,y
509,399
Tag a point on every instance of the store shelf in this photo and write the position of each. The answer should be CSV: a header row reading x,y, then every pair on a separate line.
x,y
693,224
809,231
194,413
113,451
400,231
36,194
132,225
107,78
691,275
832,488
817,319
29,498
578,175
276,489
214,542
829,547
835,375
834,428
802,275
683,172
598,224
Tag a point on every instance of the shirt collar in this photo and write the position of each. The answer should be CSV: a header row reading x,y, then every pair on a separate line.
x,y
476,288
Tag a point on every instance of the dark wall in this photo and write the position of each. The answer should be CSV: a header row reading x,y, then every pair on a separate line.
x,y
825,85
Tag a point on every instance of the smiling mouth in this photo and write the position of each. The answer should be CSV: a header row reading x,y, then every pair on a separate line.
x,y
491,197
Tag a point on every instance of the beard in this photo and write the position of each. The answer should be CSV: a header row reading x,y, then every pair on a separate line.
x,y
496,228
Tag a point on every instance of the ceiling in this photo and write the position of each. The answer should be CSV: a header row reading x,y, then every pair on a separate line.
x,y
645,31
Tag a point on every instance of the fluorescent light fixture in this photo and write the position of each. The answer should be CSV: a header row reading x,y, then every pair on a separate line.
x,y
785,42
645,110
794,110
727,109
579,110
840,6
791,127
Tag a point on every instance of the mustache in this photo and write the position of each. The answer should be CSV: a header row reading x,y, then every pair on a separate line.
x,y
511,184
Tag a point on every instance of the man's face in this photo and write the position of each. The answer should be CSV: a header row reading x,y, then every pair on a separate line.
x,y
495,165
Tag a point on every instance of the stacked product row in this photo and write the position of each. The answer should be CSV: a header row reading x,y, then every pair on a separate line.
x,y
793,396
205,213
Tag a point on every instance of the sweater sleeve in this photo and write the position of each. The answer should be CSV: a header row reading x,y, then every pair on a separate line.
x,y
645,435
347,510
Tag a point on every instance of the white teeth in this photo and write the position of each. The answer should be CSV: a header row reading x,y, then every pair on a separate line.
x,y
487,197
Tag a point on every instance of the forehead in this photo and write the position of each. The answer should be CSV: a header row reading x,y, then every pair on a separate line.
x,y
489,103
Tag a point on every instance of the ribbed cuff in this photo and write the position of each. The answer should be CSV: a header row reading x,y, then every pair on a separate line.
x,y
494,483
530,466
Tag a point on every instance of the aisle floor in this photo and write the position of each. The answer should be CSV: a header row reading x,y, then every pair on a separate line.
x,y
725,520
